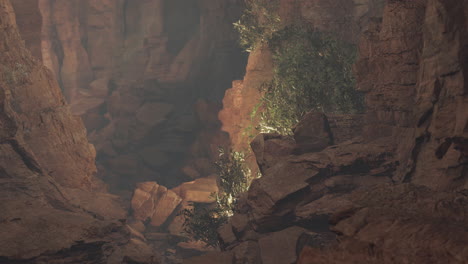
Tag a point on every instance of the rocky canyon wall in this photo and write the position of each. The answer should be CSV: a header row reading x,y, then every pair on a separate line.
x,y
139,73
344,19
53,208
395,194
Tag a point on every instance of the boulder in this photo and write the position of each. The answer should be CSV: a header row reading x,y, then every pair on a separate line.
x,y
281,185
199,190
269,148
154,202
226,235
239,223
137,225
312,133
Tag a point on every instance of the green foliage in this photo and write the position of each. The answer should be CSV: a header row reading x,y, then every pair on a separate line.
x,y
203,221
313,71
233,179
258,23
251,131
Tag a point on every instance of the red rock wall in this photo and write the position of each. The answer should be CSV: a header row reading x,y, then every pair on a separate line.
x,y
396,195
57,138
440,139
412,72
134,71
345,19
53,208
30,26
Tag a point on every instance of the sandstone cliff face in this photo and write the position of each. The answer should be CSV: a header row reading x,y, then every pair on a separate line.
x,y
53,208
134,71
398,194
344,19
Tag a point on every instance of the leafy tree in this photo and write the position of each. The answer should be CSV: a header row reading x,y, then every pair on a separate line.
x,y
313,71
258,23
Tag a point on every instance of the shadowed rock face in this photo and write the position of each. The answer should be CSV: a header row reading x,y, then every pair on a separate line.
x,y
153,60
398,193
53,208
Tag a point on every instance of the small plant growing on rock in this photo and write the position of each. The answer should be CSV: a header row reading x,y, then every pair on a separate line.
x,y
202,221
258,23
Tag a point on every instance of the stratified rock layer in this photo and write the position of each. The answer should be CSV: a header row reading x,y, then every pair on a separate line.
x,y
399,192
134,71
53,210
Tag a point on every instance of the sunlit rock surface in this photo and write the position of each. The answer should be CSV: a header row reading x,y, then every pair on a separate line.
x,y
154,203
200,190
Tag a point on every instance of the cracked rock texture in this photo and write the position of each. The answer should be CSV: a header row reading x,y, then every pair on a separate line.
x,y
53,209
156,60
344,19
398,192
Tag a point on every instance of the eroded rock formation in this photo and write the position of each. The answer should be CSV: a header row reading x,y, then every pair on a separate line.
x,y
386,187
344,19
395,194
135,72
53,208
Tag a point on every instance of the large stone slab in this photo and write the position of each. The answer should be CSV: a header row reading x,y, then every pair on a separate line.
x,y
155,202
199,190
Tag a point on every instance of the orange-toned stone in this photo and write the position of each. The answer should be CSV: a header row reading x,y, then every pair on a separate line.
x,y
155,202
200,190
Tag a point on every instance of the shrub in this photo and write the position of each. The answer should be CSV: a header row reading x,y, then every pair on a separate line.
x,y
234,177
203,221
313,71
258,23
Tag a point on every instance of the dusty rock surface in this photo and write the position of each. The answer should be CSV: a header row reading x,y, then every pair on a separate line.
x,y
153,60
53,208
154,202
396,194
387,187
199,190
345,19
